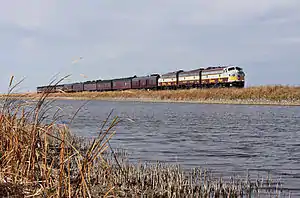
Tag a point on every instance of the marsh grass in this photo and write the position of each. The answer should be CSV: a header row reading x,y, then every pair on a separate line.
x,y
42,159
272,93
276,94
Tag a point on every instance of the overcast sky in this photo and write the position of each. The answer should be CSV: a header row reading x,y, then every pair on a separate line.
x,y
39,38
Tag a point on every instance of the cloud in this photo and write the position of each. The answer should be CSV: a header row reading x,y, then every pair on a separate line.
x,y
289,41
233,11
26,14
122,38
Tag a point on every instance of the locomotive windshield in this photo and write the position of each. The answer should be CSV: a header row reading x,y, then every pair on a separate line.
x,y
238,68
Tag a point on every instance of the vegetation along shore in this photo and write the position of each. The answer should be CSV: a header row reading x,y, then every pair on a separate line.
x,y
264,95
39,158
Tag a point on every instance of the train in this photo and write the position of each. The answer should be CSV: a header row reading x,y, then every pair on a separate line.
x,y
210,77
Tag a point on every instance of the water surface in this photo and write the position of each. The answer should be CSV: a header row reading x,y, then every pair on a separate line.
x,y
228,139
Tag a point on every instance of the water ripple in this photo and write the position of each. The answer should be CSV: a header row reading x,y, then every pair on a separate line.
x,y
226,138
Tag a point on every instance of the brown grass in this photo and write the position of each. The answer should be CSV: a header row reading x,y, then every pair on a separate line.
x,y
285,95
41,159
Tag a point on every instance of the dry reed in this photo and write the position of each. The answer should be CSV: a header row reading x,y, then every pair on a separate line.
x,y
40,159
276,94
44,159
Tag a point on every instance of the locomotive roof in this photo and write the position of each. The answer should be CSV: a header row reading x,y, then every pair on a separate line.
x,y
214,68
195,70
192,71
171,73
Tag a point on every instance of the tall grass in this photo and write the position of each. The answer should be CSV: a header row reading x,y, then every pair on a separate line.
x,y
41,159
273,93
258,94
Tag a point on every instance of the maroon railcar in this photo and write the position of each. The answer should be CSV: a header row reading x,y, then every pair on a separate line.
x,y
90,86
46,89
104,85
68,87
145,82
40,89
122,83
59,88
77,87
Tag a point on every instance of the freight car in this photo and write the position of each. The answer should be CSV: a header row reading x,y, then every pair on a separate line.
x,y
221,76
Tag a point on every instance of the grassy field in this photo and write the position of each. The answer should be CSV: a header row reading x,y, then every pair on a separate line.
x,y
43,159
278,95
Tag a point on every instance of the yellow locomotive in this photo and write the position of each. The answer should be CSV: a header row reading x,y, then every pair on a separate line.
x,y
229,76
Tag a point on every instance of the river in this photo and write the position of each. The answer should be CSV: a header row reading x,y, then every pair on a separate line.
x,y
227,139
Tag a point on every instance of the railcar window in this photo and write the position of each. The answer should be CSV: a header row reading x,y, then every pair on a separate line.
x,y
231,68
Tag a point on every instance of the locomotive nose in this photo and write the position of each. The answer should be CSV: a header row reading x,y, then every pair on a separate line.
x,y
240,75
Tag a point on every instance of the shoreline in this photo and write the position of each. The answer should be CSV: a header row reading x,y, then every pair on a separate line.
x,y
261,102
66,165
262,95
